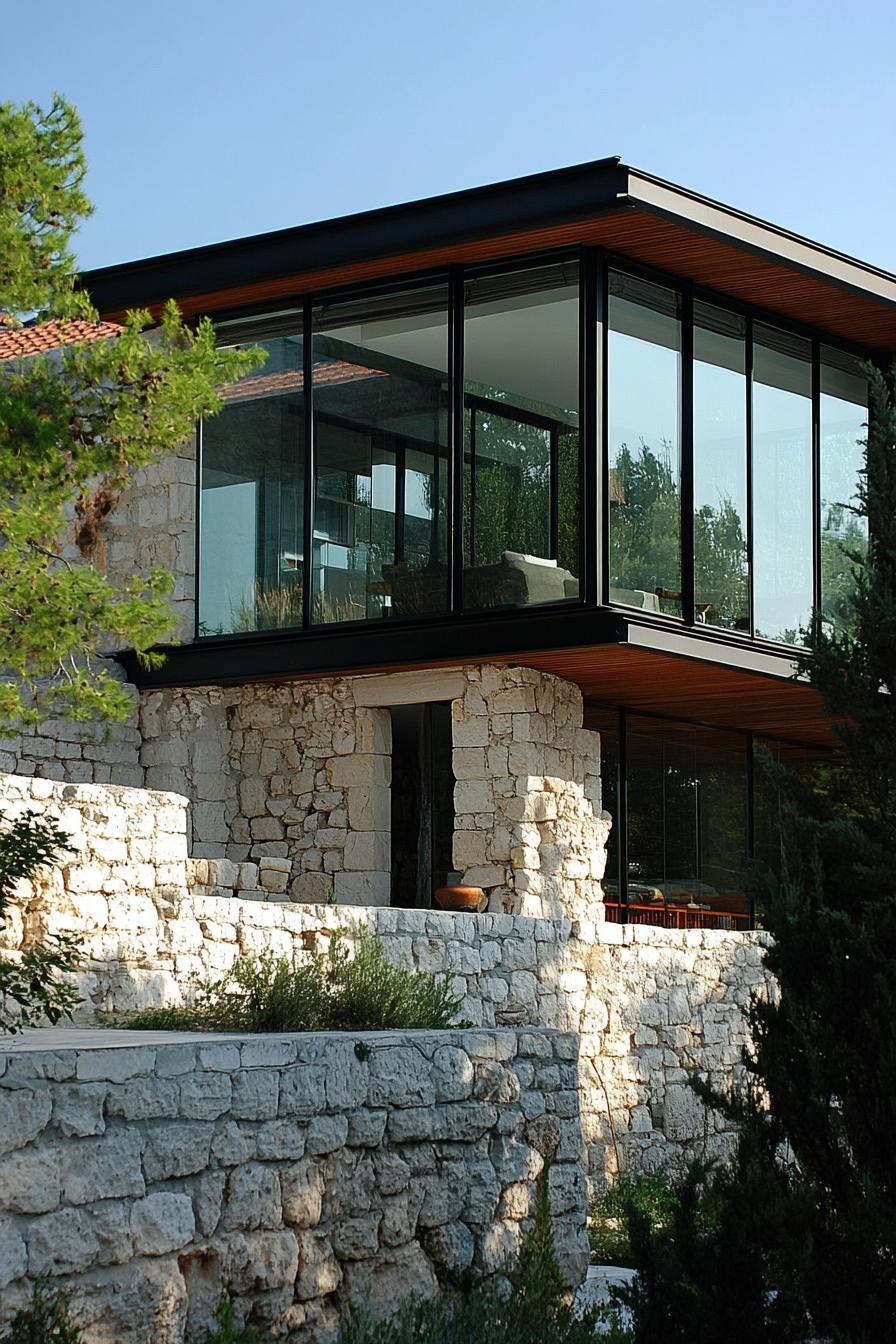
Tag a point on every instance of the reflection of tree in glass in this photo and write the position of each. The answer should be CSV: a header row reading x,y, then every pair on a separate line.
x,y
645,523
511,508
646,538
720,565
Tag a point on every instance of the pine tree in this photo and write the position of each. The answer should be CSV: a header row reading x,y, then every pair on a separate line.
x,y
811,1200
74,425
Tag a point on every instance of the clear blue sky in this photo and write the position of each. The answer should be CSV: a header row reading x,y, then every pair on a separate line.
x,y
210,119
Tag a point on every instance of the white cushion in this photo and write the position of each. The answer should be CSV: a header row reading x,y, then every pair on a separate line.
x,y
517,558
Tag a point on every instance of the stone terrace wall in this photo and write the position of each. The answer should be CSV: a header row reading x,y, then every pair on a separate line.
x,y
303,771
294,1173
650,1005
77,753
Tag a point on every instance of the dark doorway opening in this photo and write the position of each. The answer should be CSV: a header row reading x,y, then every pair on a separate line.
x,y
422,802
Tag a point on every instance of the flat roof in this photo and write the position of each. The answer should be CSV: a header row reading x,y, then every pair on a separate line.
x,y
604,203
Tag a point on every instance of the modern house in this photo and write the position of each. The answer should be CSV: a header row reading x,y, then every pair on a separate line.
x,y
586,424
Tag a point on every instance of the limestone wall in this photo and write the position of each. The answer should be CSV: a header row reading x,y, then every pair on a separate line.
x,y
154,526
294,1173
77,753
650,1005
302,772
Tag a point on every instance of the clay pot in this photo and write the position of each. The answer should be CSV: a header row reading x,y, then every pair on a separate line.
x,y
460,898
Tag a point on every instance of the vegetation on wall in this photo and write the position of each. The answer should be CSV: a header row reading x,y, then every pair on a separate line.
x,y
332,991
528,1305
33,985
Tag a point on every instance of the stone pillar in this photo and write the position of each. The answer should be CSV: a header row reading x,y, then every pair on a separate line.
x,y
295,773
528,826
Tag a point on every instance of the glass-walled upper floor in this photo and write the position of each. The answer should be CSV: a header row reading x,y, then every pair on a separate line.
x,y
565,431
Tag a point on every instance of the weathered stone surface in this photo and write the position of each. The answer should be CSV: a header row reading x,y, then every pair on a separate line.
x,y
30,1181
177,1150
23,1114
252,1198
303,1188
13,1252
162,1222
396,1274
107,1168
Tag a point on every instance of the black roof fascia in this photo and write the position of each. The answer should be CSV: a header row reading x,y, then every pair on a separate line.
x,y
565,194
334,649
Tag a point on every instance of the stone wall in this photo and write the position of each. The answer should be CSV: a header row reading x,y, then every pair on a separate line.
x,y
77,753
294,1173
651,1006
153,526
302,772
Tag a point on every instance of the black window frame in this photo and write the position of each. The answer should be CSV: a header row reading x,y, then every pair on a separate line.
x,y
594,265
750,740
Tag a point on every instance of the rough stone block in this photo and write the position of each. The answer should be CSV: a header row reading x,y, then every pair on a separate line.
x,y
108,1167
23,1115
162,1222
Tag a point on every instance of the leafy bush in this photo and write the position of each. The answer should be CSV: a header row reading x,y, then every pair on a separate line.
x,y
30,988
328,992
723,1263
531,1306
45,1321
653,1197
228,1332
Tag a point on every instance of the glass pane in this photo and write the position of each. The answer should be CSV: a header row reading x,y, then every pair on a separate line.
x,y
381,453
644,402
844,416
252,482
521,386
782,484
721,587
687,825
606,723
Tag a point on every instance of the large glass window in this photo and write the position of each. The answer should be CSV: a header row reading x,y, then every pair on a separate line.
x,y
521,438
844,416
644,403
687,820
721,581
381,455
252,483
782,484
679,844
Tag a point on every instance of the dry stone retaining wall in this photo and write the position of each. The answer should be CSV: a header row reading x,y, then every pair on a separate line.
x,y
294,1173
651,1006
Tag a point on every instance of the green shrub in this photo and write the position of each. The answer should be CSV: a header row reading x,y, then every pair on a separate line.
x,y
228,1332
327,992
530,1306
45,1321
653,1197
30,984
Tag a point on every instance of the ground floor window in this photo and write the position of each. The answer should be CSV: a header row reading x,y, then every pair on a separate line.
x,y
691,807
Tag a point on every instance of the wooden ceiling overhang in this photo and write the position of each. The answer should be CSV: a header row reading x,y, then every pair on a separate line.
x,y
696,677
603,204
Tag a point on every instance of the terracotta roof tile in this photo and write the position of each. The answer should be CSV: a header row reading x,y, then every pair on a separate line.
x,y
292,380
16,343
